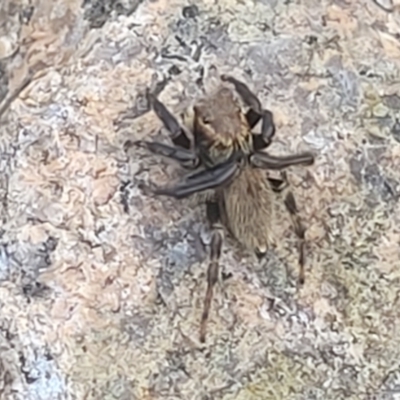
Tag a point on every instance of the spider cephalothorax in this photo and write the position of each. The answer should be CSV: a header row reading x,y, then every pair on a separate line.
x,y
229,162
220,128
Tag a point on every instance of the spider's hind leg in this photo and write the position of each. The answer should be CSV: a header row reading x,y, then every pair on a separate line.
x,y
282,186
214,218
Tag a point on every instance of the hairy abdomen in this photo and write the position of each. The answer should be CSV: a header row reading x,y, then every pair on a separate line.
x,y
248,206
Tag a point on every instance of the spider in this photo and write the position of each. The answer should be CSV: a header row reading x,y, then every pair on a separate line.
x,y
228,161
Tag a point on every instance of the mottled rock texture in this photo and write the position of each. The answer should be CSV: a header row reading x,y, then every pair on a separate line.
x,y
101,286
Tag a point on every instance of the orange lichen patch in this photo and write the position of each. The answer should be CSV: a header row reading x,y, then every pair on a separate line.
x,y
323,308
388,253
104,189
246,305
312,84
390,45
342,20
34,234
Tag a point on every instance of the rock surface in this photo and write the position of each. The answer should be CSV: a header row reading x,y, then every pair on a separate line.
x,y
101,287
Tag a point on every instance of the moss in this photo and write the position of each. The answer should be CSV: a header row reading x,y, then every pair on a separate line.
x,y
284,377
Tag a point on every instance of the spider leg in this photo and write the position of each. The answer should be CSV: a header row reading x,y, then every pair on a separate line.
x,y
214,218
278,186
178,135
249,98
299,229
206,179
185,157
264,160
263,140
255,113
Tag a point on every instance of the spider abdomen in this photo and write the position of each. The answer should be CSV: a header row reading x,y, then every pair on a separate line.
x,y
249,210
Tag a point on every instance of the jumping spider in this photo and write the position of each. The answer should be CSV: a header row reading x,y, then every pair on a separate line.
x,y
228,163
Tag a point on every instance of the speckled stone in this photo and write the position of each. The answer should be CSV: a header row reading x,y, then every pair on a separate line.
x,y
102,285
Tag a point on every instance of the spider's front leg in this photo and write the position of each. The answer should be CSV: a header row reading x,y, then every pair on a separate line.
x,y
187,158
199,181
181,151
255,113
268,161
217,238
178,135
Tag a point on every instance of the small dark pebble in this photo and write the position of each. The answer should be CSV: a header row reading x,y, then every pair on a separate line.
x,y
311,39
174,70
226,275
26,14
396,131
190,11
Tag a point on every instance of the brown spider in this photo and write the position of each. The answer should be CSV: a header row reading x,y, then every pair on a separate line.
x,y
228,161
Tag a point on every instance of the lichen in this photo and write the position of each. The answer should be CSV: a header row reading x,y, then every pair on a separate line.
x,y
102,285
